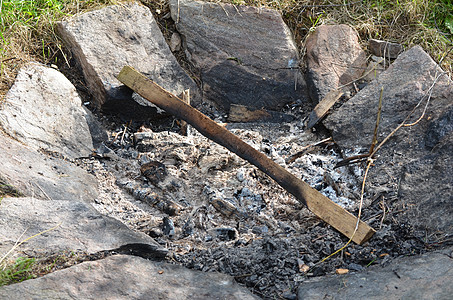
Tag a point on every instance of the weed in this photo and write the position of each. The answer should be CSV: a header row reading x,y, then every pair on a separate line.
x,y
7,189
17,271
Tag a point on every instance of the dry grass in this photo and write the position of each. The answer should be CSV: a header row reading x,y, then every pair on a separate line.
x,y
27,26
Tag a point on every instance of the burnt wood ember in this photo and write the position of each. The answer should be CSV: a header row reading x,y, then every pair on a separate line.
x,y
154,171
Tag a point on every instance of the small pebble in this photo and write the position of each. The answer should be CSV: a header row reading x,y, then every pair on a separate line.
x,y
341,271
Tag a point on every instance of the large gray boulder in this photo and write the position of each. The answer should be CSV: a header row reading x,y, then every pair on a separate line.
x,y
416,161
105,40
75,226
245,54
418,277
334,58
44,177
43,110
127,277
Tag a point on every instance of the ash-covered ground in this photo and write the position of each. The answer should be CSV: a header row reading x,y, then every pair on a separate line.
x,y
216,212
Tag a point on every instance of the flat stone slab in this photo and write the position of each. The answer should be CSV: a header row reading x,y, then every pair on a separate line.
x,y
76,226
418,277
127,277
44,177
105,40
245,54
334,58
415,163
43,110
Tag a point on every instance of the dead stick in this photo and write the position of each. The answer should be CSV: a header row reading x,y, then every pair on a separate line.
x,y
320,205
185,95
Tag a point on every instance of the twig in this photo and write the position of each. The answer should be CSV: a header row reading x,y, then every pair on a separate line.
x,y
369,164
373,143
372,152
383,213
363,76
427,102
27,239
301,152
40,188
7,59
15,246
124,131
177,17
330,5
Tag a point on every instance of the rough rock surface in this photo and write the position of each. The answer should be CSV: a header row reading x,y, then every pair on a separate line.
x,y
127,277
43,110
334,58
106,40
245,54
41,176
76,226
384,48
417,159
427,189
417,277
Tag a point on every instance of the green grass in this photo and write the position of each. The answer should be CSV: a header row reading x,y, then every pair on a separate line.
x,y
17,271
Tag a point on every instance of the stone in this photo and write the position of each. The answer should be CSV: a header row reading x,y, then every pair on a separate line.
x,y
415,161
224,233
127,277
246,55
175,42
168,227
37,175
426,276
106,40
426,187
43,110
240,113
405,82
384,48
334,58
98,133
72,225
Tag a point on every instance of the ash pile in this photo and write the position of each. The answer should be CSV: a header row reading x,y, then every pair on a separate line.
x,y
216,212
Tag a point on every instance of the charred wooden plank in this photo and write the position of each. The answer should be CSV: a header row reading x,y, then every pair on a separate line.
x,y
323,107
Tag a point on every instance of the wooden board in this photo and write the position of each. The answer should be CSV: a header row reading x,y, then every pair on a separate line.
x,y
320,205
323,107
